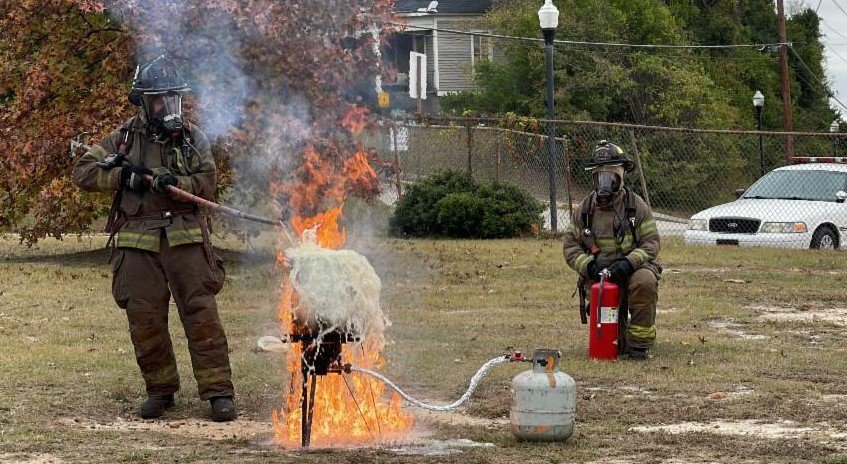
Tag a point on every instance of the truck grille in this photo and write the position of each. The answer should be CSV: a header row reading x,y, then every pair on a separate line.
x,y
734,225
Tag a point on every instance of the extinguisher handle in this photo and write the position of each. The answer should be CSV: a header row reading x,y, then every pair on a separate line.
x,y
604,274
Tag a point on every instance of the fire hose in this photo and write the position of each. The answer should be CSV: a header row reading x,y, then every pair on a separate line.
x,y
475,381
75,144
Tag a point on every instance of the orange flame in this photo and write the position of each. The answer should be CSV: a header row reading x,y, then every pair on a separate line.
x,y
349,408
355,120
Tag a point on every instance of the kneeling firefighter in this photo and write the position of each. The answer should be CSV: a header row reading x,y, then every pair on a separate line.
x,y
163,246
614,229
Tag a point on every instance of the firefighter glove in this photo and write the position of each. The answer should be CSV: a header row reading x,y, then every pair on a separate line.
x,y
620,271
132,177
594,267
162,179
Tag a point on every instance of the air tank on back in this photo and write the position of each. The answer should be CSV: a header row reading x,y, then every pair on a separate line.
x,y
543,400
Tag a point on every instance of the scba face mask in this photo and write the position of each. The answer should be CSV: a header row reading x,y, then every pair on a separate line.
x,y
164,111
606,184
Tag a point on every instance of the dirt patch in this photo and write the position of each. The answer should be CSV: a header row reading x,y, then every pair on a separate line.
x,y
440,447
737,392
821,432
457,418
734,330
260,432
695,270
628,392
29,459
833,315
196,428
641,461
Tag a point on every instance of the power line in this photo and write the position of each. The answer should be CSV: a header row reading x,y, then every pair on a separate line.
x,y
834,2
833,29
788,45
831,49
595,44
837,54
822,84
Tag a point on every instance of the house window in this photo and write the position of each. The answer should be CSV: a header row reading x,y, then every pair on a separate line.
x,y
419,43
481,48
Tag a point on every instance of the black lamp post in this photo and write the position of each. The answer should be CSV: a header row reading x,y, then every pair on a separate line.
x,y
548,16
833,128
758,102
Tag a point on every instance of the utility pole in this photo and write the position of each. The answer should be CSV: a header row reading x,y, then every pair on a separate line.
x,y
787,123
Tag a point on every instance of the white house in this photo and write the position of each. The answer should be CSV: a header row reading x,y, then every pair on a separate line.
x,y
450,57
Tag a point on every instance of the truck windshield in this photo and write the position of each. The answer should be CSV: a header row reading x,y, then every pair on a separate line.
x,y
810,184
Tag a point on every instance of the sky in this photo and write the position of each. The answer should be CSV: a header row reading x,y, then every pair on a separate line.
x,y
833,15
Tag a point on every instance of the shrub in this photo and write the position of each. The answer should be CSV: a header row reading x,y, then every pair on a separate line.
x,y
459,215
452,204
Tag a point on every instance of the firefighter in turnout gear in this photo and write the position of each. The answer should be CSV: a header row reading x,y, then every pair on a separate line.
x,y
613,229
161,244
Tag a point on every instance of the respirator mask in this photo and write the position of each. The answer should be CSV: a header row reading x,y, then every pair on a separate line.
x,y
606,183
164,113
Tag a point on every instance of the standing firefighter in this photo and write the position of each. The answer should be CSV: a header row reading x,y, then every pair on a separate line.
x,y
163,246
614,229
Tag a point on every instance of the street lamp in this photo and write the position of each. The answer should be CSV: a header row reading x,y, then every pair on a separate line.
x,y
548,16
758,102
833,128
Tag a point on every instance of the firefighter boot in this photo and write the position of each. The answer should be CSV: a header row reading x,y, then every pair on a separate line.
x,y
155,406
223,409
638,354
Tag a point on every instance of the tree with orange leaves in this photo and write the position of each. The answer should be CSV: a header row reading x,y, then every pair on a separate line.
x,y
271,79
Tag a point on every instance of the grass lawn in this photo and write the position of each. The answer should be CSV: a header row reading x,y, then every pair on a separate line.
x,y
761,331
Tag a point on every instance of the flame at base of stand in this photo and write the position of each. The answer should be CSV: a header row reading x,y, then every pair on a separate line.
x,y
342,417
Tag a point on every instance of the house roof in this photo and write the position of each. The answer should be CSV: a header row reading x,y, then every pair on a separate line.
x,y
444,6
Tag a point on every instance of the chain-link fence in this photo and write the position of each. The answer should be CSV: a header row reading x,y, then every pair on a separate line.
x,y
682,173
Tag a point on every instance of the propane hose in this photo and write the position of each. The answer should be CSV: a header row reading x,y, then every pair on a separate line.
x,y
475,380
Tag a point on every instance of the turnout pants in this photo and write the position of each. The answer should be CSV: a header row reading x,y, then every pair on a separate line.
x,y
643,293
142,284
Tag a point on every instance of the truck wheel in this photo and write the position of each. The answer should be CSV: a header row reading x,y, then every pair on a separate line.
x,y
825,239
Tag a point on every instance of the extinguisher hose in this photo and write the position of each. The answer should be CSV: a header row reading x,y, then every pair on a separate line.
x,y
475,381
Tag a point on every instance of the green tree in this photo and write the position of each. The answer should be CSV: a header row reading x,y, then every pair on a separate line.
x,y
612,84
272,79
700,88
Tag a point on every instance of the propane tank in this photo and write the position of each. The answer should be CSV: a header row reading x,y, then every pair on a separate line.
x,y
603,322
543,400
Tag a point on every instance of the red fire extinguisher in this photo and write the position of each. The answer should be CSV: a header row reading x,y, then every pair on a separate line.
x,y
603,325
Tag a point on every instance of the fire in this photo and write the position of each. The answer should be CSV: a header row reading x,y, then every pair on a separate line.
x,y
355,120
329,233
349,408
